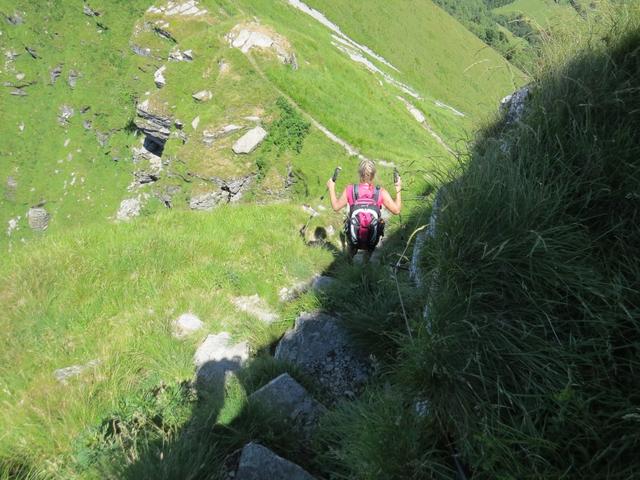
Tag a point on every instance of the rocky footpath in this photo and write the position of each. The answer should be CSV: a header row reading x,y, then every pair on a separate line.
x,y
318,346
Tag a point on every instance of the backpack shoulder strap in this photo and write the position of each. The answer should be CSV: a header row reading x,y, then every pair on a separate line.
x,y
355,192
376,194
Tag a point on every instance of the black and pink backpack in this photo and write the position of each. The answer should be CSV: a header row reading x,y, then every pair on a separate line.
x,y
364,226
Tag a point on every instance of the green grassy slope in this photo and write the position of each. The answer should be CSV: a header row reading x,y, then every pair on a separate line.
x,y
544,13
91,288
461,71
45,157
111,294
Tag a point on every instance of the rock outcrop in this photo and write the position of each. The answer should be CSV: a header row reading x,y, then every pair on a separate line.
x,y
65,113
254,35
320,346
513,105
38,218
156,126
202,96
158,77
207,201
63,375
129,208
189,8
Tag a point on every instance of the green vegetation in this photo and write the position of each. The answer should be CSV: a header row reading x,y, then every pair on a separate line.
x,y
528,360
517,29
527,365
110,293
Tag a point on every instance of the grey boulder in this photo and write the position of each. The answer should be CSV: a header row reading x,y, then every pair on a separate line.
x,y
250,140
38,218
320,346
186,324
288,401
260,463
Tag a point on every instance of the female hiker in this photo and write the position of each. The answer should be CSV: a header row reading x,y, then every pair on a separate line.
x,y
364,225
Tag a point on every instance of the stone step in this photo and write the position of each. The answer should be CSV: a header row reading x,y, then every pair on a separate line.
x,y
288,401
320,346
260,463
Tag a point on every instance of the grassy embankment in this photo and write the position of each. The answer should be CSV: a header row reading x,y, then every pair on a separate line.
x,y
528,362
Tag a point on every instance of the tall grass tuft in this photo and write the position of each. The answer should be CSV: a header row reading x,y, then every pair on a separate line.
x,y
531,358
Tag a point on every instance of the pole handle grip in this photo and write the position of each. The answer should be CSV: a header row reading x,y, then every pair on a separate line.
x,y
396,175
335,174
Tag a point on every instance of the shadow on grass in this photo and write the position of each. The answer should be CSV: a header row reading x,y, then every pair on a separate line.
x,y
221,421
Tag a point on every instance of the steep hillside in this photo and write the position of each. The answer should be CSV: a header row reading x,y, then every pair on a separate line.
x,y
117,110
78,109
519,357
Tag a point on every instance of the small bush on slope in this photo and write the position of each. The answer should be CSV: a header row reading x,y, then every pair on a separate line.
x,y
531,362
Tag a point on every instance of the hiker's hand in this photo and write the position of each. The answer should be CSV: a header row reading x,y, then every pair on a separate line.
x,y
330,183
398,184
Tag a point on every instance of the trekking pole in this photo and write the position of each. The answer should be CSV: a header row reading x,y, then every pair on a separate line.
x,y
336,172
396,177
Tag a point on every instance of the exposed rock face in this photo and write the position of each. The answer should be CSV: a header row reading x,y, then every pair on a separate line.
x,y
260,463
203,96
321,348
514,104
186,324
288,294
155,126
141,51
66,112
184,9
15,19
209,137
64,374
158,77
236,188
288,401
415,271
207,201
195,122
149,166
215,359
90,12
38,218
55,73
256,307
254,35
250,141
177,55
129,208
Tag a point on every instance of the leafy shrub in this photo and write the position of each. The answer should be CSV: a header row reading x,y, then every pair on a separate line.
x,y
290,130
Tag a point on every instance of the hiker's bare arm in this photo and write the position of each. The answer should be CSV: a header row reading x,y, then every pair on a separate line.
x,y
394,206
336,203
